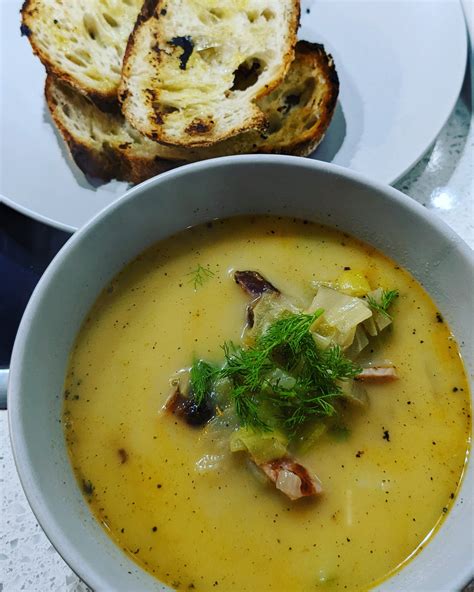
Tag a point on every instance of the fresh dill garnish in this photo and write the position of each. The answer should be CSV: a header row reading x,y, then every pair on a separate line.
x,y
201,380
247,408
245,366
387,298
316,385
335,364
285,382
199,275
289,331
245,369
285,378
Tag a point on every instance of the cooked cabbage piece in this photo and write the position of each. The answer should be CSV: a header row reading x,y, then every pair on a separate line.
x,y
264,311
291,379
354,392
381,318
359,343
262,446
342,314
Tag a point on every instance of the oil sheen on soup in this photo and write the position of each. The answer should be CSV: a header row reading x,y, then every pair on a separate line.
x,y
267,404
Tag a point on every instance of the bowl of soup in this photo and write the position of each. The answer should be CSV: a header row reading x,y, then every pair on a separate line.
x,y
252,373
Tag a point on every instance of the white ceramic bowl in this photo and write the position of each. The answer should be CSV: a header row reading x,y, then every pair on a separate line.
x,y
296,187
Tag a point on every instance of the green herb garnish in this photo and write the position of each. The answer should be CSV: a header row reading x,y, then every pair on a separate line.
x,y
386,300
201,378
285,379
290,332
200,275
245,366
247,407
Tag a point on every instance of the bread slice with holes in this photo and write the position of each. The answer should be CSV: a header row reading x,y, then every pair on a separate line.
x,y
194,71
104,145
82,41
298,111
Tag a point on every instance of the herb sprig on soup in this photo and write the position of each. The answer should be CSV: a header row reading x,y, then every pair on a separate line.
x,y
325,373
290,379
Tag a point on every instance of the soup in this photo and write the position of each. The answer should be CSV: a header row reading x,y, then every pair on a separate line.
x,y
199,516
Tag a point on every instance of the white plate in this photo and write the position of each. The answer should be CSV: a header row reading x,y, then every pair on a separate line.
x,y
400,62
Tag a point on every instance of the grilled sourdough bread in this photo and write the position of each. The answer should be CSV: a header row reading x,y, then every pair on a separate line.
x,y
194,69
298,111
104,145
82,41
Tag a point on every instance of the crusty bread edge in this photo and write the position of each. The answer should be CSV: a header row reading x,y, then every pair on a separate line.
x,y
289,56
105,165
116,163
258,122
145,14
105,101
307,143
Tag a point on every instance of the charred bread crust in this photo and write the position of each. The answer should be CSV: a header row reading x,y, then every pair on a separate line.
x,y
107,102
290,56
196,134
306,143
196,129
325,62
110,162
147,11
121,161
302,126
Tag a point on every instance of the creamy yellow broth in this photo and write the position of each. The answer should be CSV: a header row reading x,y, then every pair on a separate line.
x,y
387,485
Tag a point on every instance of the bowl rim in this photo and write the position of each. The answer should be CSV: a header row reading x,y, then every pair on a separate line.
x,y
52,528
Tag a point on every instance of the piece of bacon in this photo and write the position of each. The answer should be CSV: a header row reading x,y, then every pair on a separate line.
x,y
186,409
291,478
378,374
254,283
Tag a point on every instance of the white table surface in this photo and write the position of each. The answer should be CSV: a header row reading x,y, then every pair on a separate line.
x,y
442,181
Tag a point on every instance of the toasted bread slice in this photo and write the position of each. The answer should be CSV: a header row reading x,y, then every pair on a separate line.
x,y
193,70
104,145
82,42
298,111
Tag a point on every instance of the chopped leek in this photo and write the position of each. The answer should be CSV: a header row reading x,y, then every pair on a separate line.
x,y
350,282
268,308
340,311
354,392
281,386
263,446
310,435
342,315
322,341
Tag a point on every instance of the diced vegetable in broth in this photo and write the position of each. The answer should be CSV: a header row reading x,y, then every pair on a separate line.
x,y
262,446
216,505
285,374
